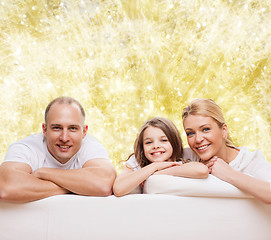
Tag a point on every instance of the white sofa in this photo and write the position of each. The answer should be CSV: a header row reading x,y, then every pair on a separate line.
x,y
139,216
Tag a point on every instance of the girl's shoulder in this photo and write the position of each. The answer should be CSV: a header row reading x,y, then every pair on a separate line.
x,y
132,163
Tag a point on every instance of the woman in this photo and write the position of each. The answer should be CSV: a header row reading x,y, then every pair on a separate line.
x,y
207,135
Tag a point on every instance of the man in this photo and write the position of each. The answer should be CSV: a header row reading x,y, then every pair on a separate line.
x,y
62,159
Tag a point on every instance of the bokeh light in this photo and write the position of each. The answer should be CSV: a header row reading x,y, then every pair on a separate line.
x,y
129,60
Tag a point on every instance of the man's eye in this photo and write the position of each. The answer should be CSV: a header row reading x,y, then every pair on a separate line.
x,y
56,128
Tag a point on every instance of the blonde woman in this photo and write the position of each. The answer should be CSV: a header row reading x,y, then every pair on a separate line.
x,y
157,150
208,137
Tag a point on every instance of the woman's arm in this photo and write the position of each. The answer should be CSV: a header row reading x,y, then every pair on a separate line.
x,y
129,179
189,170
258,188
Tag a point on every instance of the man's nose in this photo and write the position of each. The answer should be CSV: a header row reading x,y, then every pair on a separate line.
x,y
64,137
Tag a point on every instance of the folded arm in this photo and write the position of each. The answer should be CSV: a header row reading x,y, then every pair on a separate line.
x,y
95,178
189,170
253,186
17,184
129,179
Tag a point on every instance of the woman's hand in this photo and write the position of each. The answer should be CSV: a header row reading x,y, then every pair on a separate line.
x,y
219,168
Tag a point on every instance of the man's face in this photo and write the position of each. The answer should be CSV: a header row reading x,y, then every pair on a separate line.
x,y
64,131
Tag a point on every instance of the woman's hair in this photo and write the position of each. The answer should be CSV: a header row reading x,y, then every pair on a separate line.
x,y
208,108
170,131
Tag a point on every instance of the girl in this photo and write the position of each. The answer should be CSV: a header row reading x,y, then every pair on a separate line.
x,y
207,135
157,150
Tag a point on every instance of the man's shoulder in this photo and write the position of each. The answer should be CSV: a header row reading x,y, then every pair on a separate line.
x,y
92,148
34,139
90,140
33,142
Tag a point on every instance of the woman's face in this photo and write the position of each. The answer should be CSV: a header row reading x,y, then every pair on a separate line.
x,y
204,136
156,145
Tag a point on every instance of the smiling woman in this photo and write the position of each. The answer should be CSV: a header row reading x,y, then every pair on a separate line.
x,y
207,136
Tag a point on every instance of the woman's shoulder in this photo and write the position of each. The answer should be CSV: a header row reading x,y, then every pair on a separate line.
x,y
247,157
189,155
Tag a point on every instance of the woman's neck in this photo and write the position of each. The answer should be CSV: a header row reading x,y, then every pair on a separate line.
x,y
230,154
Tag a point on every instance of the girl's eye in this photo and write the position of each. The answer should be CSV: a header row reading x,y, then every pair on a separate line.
x,y
164,140
148,142
206,129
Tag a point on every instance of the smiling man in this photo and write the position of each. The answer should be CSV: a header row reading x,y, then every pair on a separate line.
x,y
62,159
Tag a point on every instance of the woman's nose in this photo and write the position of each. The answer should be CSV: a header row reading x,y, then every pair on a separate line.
x,y
199,137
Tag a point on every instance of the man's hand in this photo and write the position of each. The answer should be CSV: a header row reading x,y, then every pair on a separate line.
x,y
96,178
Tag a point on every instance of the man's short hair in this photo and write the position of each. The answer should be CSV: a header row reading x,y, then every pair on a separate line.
x,y
64,100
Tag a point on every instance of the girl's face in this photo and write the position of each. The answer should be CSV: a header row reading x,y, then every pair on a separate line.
x,y
204,136
156,145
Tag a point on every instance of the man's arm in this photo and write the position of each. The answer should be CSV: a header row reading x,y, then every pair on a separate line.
x,y
17,184
95,178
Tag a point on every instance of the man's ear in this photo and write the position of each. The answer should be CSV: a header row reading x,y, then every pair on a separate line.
x,y
85,130
44,129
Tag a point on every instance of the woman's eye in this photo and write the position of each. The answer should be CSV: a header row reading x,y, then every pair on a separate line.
x,y
188,134
206,129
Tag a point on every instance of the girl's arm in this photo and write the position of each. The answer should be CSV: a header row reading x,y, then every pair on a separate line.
x,y
129,179
258,188
189,170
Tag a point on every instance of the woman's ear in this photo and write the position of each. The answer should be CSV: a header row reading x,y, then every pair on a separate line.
x,y
224,131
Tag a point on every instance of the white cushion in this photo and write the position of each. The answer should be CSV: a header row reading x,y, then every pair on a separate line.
x,y
180,186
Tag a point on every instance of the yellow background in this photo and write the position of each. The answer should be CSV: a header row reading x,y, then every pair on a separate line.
x,y
128,61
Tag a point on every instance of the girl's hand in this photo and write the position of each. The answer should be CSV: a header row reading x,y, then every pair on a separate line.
x,y
163,165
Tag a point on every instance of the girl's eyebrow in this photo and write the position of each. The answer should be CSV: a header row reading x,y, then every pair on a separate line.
x,y
146,138
149,138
